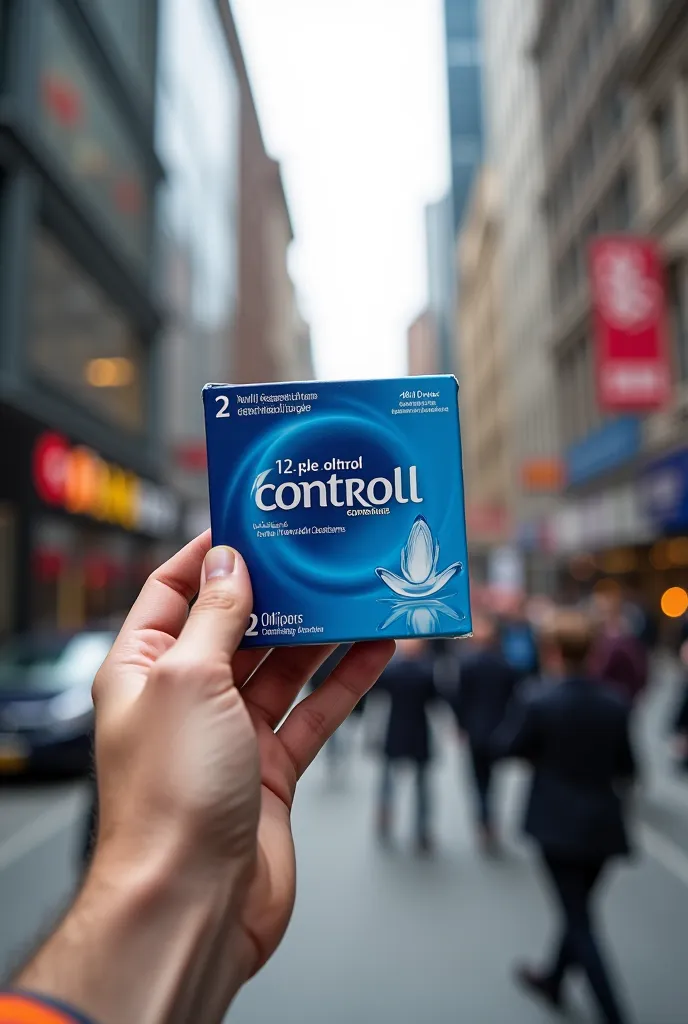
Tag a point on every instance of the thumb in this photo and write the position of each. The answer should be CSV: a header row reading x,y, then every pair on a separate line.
x,y
218,620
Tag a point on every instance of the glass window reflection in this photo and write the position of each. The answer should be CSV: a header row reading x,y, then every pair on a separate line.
x,y
131,24
83,127
79,342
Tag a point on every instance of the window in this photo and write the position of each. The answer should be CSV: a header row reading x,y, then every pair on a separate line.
x,y
131,23
677,302
461,18
665,136
609,10
79,342
81,124
5,31
621,204
578,260
587,152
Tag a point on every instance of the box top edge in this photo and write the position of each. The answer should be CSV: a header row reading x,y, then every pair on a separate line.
x,y
317,383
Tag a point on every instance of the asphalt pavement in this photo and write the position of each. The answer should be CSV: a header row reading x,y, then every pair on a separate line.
x,y
385,937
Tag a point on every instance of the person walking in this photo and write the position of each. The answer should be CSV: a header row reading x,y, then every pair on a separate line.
x,y
576,735
518,641
408,679
486,687
337,748
618,658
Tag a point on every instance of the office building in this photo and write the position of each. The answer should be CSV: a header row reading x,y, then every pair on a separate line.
x,y
440,242
484,397
421,345
464,74
83,511
614,100
225,230
443,218
514,146
198,139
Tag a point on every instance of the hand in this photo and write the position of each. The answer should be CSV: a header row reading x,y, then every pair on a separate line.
x,y
196,786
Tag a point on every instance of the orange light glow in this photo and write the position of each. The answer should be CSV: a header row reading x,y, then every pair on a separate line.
x,y
675,602
109,373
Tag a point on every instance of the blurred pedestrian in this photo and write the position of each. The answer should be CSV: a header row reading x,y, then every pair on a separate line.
x,y
642,622
576,735
336,750
486,686
518,640
408,679
680,722
618,657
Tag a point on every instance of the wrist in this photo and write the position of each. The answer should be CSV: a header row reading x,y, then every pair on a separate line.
x,y
148,942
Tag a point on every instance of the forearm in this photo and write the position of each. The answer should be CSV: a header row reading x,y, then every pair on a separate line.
x,y
150,946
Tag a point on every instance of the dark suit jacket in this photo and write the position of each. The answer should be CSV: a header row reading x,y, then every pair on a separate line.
x,y
576,735
486,686
410,685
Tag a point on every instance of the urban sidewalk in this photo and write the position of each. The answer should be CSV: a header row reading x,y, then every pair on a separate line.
x,y
384,937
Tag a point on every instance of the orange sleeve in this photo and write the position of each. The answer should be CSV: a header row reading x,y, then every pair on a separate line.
x,y
18,1008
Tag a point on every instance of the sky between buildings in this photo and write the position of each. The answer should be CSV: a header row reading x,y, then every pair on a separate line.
x,y
352,100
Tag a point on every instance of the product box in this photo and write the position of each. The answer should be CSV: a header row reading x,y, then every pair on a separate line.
x,y
346,500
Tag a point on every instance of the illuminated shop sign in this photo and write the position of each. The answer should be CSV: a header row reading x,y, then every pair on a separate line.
x,y
78,480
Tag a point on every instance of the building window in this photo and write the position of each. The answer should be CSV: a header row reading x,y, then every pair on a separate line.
x,y
609,11
80,122
132,25
677,303
80,343
664,124
621,203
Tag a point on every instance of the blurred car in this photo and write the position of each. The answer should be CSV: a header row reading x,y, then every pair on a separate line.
x,y
46,710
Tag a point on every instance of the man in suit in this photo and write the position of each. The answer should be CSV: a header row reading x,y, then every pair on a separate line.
x,y
576,736
486,687
408,679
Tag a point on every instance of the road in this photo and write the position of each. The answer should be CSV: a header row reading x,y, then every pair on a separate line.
x,y
385,937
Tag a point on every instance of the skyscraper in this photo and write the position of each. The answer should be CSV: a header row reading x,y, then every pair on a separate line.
x,y
444,218
464,69
515,151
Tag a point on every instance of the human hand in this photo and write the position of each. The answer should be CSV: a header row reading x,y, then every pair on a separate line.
x,y
196,787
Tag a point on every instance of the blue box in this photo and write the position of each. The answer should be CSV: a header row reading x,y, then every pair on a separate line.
x,y
346,500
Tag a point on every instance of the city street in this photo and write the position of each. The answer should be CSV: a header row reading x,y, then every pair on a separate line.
x,y
386,937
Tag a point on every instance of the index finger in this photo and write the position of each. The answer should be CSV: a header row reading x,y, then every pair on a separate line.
x,y
163,603
310,724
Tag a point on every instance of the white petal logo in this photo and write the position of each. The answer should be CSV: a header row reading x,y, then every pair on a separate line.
x,y
419,558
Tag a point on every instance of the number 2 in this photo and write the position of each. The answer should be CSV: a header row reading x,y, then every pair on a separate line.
x,y
252,631
223,413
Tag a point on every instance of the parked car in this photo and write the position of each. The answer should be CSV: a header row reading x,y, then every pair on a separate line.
x,y
46,710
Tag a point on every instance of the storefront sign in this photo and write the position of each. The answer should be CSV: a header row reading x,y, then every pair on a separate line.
x,y
603,450
665,492
78,480
632,351
609,519
543,476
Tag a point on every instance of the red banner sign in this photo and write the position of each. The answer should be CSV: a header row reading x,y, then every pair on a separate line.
x,y
633,367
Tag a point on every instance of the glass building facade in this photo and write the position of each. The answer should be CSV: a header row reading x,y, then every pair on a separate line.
x,y
84,511
464,68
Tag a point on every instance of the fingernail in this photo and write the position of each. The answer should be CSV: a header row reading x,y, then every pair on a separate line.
x,y
219,562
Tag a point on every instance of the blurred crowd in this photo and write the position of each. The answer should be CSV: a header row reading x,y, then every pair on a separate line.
x,y
556,687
